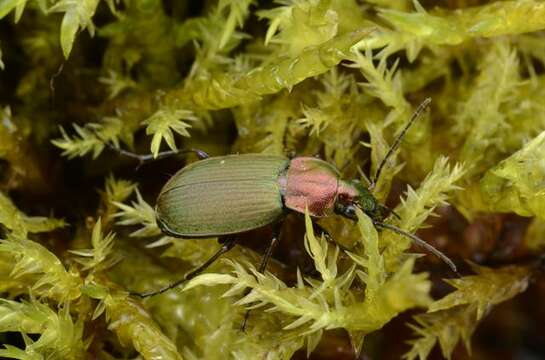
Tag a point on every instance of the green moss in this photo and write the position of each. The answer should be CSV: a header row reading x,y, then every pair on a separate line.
x,y
516,183
335,78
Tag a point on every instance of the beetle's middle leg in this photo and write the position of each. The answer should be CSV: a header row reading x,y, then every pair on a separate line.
x,y
264,261
227,245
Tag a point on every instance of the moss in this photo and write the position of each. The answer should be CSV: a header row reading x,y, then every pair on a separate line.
x,y
334,78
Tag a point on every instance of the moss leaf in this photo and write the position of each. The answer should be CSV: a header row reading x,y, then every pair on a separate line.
x,y
60,337
489,287
77,14
20,223
456,316
516,184
38,268
162,124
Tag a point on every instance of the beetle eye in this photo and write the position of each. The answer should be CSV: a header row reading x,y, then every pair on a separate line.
x,y
350,211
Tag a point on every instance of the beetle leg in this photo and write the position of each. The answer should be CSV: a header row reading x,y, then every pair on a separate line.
x,y
226,246
319,229
264,261
144,159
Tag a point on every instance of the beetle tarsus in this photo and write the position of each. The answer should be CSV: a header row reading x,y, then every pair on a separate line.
x,y
228,245
418,241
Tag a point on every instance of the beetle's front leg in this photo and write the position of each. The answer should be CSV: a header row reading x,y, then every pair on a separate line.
x,y
320,230
227,245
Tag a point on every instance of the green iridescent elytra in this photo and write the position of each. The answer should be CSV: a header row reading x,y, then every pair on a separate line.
x,y
222,195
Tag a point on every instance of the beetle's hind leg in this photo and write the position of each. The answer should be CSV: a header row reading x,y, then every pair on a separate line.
x,y
227,245
147,158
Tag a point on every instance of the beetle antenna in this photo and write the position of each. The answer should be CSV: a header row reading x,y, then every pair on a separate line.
x,y
397,141
418,241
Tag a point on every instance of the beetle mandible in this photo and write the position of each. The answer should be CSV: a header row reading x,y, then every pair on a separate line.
x,y
227,195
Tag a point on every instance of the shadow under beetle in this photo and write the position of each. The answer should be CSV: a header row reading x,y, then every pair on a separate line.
x,y
227,195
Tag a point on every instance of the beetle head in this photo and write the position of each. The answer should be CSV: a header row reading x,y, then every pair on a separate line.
x,y
352,194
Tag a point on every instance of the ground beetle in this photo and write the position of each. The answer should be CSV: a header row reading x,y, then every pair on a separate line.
x,y
227,195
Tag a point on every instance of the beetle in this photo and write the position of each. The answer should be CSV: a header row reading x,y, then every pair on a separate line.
x,y
227,195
